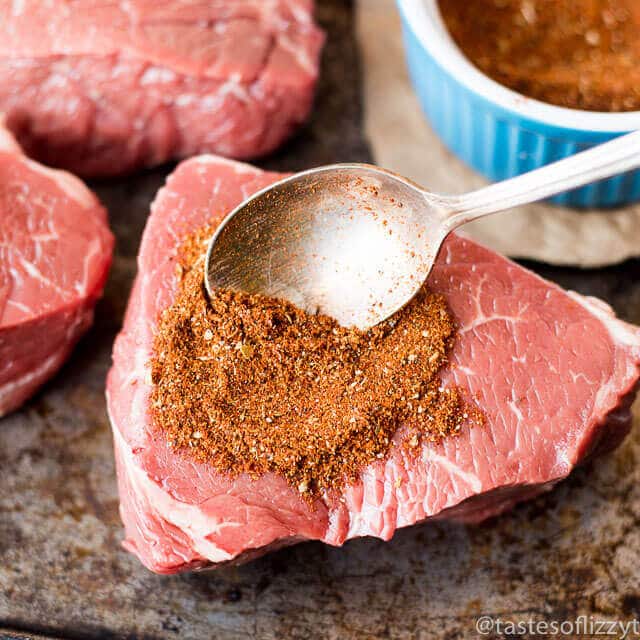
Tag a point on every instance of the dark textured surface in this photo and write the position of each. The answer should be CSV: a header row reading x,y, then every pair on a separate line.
x,y
62,572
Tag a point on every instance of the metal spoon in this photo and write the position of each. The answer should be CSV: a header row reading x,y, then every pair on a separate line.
x,y
357,242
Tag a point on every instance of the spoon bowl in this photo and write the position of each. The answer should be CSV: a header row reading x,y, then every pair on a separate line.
x,y
357,242
352,241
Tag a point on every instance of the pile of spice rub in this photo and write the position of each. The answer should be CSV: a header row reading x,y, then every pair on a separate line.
x,y
255,385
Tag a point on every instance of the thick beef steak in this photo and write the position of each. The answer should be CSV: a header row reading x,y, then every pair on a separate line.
x,y
55,252
105,87
553,372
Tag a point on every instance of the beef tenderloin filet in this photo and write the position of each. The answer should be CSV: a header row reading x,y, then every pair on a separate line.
x,y
106,88
55,253
553,372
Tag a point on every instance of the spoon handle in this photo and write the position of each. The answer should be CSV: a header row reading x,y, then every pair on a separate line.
x,y
606,160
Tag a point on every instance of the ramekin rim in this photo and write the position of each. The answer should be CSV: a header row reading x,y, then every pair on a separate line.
x,y
423,17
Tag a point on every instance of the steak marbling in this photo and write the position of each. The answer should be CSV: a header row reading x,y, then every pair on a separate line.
x,y
553,372
107,87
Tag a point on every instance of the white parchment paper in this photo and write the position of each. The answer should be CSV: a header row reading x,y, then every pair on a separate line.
x,y
401,140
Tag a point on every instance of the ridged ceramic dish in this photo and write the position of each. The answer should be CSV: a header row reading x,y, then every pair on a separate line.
x,y
499,132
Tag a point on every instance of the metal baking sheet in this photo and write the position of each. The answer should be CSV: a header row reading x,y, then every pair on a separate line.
x,y
63,574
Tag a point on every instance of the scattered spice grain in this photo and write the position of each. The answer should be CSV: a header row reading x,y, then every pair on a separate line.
x,y
254,385
582,54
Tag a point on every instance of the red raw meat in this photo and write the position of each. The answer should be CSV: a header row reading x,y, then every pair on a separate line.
x,y
55,253
104,88
553,372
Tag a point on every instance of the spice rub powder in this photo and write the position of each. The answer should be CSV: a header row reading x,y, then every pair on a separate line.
x,y
582,54
251,384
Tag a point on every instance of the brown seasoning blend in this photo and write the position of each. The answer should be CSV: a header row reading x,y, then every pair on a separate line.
x,y
582,54
255,385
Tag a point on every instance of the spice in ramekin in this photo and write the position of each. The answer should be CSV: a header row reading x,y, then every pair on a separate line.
x,y
255,385
582,54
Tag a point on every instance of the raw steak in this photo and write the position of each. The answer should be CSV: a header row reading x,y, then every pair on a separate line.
x,y
107,87
55,252
553,372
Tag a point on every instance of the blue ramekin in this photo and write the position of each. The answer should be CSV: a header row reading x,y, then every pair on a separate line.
x,y
498,132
